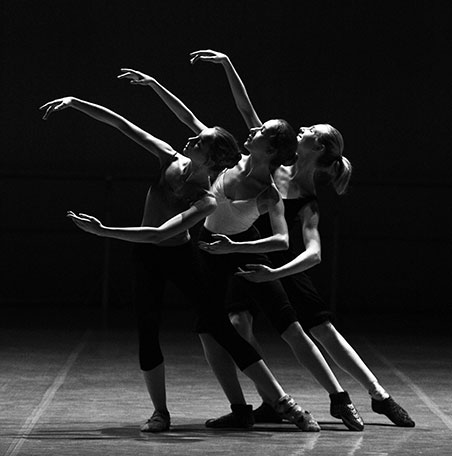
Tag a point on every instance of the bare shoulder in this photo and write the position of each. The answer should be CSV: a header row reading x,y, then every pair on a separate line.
x,y
309,214
269,198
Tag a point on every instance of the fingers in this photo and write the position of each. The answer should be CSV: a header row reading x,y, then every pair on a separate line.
x,y
128,73
220,236
246,275
202,52
253,267
44,106
49,111
194,60
88,217
50,107
131,76
206,55
203,58
79,217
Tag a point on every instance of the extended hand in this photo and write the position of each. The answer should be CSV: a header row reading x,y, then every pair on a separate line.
x,y
136,77
86,222
55,105
207,55
222,245
256,273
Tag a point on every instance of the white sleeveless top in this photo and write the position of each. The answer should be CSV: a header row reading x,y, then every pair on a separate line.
x,y
231,216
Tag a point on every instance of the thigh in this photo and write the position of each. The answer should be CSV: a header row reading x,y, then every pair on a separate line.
x,y
269,298
149,279
310,307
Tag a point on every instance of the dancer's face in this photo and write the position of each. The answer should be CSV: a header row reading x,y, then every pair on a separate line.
x,y
308,140
258,138
198,147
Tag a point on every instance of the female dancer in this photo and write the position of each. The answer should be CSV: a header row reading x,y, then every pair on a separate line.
x,y
319,150
179,200
243,193
277,142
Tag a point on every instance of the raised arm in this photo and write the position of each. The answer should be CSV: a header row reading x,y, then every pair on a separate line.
x,y
147,234
163,151
239,92
175,104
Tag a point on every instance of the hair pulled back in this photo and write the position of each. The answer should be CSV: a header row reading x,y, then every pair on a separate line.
x,y
284,140
224,150
332,160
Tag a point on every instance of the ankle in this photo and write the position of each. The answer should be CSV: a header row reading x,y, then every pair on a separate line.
x,y
377,392
340,398
241,409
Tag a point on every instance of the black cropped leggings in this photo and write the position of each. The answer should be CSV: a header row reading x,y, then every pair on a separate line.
x,y
155,266
240,294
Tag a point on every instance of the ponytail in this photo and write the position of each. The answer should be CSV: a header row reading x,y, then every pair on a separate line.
x,y
333,162
341,173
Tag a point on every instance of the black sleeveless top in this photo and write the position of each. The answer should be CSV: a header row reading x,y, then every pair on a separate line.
x,y
292,209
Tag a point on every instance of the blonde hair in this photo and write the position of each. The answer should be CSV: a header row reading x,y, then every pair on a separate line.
x,y
332,160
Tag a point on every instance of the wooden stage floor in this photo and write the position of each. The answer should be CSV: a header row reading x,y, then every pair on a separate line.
x,y
80,392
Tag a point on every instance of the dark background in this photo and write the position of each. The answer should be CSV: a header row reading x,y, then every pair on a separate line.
x,y
378,71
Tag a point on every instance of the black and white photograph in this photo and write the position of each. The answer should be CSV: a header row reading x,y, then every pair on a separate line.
x,y
225,228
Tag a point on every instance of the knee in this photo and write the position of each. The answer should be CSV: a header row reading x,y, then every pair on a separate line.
x,y
293,332
243,323
323,332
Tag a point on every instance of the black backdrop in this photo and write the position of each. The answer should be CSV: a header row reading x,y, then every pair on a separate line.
x,y
378,71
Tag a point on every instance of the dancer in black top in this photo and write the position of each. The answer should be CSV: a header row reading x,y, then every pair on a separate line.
x,y
269,145
320,150
178,201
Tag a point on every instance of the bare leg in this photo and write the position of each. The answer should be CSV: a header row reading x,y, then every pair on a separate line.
x,y
241,415
308,355
243,323
347,359
224,368
155,383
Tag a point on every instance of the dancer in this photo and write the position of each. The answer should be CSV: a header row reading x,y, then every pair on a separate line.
x,y
320,150
283,141
178,201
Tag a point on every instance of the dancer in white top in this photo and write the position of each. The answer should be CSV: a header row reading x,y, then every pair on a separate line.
x,y
320,151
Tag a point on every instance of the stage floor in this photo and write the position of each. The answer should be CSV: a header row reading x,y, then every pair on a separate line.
x,y
80,392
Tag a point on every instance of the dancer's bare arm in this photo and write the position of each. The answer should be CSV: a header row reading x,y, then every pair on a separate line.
x,y
305,260
279,240
175,104
239,92
163,151
147,234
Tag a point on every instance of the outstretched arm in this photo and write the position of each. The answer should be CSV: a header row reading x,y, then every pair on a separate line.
x,y
148,234
159,148
239,92
279,240
175,104
305,260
